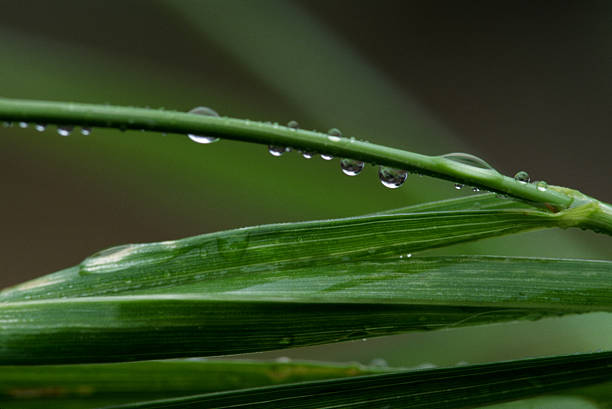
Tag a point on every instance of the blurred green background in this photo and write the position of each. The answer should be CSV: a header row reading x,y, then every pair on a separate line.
x,y
525,86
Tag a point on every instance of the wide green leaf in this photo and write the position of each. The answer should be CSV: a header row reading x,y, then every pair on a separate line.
x,y
246,311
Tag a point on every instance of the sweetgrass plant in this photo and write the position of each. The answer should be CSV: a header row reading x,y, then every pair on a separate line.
x,y
97,334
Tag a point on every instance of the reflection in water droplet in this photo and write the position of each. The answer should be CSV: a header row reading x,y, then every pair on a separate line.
x,y
198,138
542,186
40,127
458,186
307,155
392,178
334,135
65,130
467,159
85,131
351,167
326,157
23,124
293,124
277,150
522,177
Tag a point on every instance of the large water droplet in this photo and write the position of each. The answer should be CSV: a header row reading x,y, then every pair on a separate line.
x,y
277,150
64,130
85,131
293,124
392,178
40,127
326,157
334,134
198,138
467,159
542,186
522,177
351,167
23,124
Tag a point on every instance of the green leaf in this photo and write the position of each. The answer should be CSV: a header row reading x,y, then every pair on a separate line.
x,y
88,386
277,247
246,311
459,387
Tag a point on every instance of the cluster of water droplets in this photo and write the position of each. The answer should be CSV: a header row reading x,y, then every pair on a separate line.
x,y
63,130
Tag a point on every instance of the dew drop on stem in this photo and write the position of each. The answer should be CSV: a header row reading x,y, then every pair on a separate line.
x,y
307,155
468,159
40,127
85,131
351,167
277,150
199,138
392,178
293,124
522,177
542,186
23,125
65,130
326,157
334,134
458,186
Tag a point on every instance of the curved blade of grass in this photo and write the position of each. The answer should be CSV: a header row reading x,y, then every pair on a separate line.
x,y
246,311
276,247
459,387
89,386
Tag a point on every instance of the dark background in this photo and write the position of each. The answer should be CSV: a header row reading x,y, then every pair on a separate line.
x,y
525,85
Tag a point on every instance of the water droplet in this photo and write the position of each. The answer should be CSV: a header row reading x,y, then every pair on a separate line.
x,y
277,150
307,155
65,130
293,124
23,124
334,135
351,167
458,186
40,127
85,131
475,189
326,157
467,159
542,186
522,177
392,178
198,138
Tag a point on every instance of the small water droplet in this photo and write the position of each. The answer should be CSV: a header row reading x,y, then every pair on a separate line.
x,y
522,177
351,167
326,157
23,124
277,150
467,159
40,127
334,135
475,189
542,186
64,130
293,124
198,138
307,155
458,186
392,178
85,131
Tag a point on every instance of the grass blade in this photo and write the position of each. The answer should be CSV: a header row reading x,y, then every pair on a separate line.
x,y
243,311
89,386
276,247
438,388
